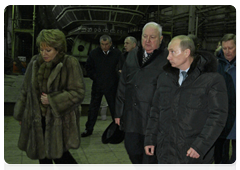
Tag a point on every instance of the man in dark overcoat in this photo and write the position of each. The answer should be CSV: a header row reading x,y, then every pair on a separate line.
x,y
101,67
129,44
189,108
136,88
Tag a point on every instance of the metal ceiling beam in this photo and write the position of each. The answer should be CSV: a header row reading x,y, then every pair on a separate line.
x,y
98,8
90,16
209,9
100,22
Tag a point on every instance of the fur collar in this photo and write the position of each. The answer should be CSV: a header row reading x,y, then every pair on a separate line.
x,y
57,66
203,61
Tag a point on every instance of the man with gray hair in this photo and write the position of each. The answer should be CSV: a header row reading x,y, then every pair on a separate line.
x,y
227,68
101,67
129,44
135,91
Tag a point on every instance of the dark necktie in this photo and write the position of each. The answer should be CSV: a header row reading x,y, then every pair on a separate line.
x,y
105,53
184,74
146,58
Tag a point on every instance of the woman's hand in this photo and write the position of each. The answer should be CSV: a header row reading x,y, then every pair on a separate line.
x,y
44,99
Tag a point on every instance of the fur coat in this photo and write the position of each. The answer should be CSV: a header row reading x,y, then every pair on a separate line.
x,y
65,90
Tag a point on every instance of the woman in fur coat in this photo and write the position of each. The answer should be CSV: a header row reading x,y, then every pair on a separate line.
x,y
48,106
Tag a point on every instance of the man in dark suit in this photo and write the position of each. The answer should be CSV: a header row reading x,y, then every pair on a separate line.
x,y
101,67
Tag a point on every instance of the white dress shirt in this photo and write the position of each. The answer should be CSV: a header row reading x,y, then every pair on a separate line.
x,y
180,80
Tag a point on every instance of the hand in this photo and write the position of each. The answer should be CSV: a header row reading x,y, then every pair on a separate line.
x,y
44,99
149,150
192,153
117,121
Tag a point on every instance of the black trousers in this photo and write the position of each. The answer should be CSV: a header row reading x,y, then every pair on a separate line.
x,y
134,144
65,159
96,99
221,152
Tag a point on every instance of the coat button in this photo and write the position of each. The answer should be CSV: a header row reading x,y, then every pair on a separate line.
x,y
136,86
135,104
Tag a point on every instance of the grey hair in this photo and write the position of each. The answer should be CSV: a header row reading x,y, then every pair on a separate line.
x,y
132,39
228,37
158,26
105,38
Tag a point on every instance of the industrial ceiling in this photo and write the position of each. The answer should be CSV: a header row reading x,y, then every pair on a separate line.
x,y
89,22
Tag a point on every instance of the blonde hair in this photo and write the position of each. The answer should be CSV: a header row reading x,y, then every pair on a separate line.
x,y
53,38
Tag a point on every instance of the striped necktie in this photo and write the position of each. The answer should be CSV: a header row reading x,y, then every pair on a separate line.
x,y
146,58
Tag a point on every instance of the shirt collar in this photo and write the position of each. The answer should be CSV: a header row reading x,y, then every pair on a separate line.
x,y
145,53
107,52
183,70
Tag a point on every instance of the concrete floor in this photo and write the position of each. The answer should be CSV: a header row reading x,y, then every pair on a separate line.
x,y
91,150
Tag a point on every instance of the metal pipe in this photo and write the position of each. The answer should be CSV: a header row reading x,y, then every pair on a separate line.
x,y
13,33
196,27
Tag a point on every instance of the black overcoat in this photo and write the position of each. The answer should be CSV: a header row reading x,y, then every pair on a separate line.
x,y
136,88
190,115
102,69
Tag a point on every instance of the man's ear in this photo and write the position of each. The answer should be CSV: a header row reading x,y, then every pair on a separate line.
x,y
161,39
187,52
